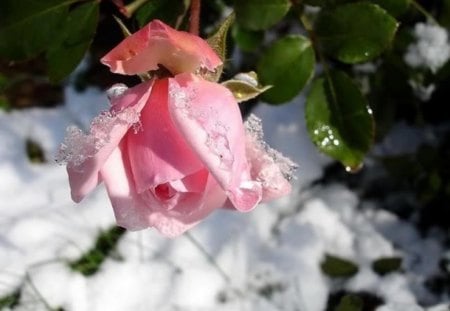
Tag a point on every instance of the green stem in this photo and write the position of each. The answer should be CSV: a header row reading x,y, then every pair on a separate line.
x,y
133,6
422,10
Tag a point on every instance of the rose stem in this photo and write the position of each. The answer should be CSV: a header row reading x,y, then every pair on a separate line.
x,y
194,20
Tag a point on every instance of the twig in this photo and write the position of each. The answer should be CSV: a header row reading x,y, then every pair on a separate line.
x,y
208,256
194,20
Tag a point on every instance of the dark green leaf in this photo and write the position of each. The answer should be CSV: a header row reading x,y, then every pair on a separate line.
x,y
73,40
260,14
394,7
350,303
338,267
34,152
339,120
386,265
10,301
27,27
89,263
247,40
355,32
287,65
165,10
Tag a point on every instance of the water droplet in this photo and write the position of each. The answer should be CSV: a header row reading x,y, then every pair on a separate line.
x,y
354,169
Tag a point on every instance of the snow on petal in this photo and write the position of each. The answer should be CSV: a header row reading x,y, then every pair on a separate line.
x,y
268,166
85,154
208,117
158,44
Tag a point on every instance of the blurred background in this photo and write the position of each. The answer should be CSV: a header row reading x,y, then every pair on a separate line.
x,y
367,226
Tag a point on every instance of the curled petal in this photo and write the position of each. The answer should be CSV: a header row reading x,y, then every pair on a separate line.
x,y
131,210
207,116
156,43
85,154
158,153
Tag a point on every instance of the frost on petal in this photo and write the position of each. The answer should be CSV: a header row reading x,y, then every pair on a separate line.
x,y
268,166
86,153
208,117
157,43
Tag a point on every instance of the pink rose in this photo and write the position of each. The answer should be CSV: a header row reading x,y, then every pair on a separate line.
x,y
171,150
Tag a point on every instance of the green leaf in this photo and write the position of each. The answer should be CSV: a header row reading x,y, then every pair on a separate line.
x,y
105,245
386,265
245,86
339,120
260,14
287,65
75,37
394,7
338,267
350,303
247,40
27,27
165,10
355,32
218,42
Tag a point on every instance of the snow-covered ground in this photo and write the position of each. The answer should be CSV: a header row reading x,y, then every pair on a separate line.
x,y
268,259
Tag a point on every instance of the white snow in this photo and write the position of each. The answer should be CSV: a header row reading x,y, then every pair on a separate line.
x,y
431,49
268,259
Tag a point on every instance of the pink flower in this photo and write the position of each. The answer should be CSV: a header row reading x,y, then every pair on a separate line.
x,y
171,150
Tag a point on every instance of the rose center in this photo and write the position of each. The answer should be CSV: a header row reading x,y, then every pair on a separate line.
x,y
164,191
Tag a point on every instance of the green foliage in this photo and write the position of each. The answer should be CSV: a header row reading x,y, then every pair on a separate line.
x,y
247,40
336,267
350,303
355,32
339,120
260,14
165,10
9,302
61,28
34,152
90,262
394,7
287,65
72,41
386,265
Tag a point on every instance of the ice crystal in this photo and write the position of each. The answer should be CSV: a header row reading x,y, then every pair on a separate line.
x,y
79,146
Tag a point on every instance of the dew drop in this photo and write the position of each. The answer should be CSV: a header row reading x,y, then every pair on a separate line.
x,y
354,169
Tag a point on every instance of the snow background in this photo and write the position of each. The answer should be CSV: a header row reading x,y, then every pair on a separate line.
x,y
271,256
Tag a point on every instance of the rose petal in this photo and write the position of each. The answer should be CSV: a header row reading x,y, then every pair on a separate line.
x,y
86,154
191,208
130,210
156,43
158,153
207,116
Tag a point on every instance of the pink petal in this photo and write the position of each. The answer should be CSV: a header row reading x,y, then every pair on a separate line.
x,y
86,154
158,153
268,166
208,117
156,43
131,210
191,208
